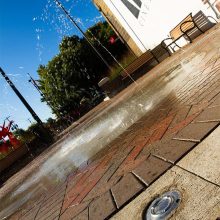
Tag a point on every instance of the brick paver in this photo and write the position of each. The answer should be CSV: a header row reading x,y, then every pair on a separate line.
x,y
190,111
125,189
74,211
209,114
102,207
151,169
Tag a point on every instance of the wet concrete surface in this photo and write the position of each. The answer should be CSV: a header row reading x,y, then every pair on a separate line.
x,y
204,160
187,78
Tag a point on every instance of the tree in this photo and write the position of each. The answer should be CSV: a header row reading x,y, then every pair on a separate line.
x,y
102,32
72,75
66,79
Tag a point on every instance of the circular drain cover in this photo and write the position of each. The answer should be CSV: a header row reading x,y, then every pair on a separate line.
x,y
162,208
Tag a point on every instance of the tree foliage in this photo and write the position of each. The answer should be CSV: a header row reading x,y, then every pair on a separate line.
x,y
72,75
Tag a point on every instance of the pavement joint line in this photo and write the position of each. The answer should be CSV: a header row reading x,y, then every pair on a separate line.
x,y
206,121
48,216
140,179
162,158
125,204
213,66
65,191
119,165
190,108
205,136
195,102
214,97
84,200
113,199
147,144
187,139
76,205
195,98
195,174
28,210
77,214
137,194
214,106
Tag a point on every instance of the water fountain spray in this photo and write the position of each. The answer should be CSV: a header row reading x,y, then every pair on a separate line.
x,y
90,43
113,57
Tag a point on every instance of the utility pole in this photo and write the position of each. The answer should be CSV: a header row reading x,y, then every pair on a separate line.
x,y
11,84
90,43
33,82
81,31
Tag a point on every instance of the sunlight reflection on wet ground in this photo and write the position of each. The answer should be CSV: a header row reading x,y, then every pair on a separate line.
x,y
123,111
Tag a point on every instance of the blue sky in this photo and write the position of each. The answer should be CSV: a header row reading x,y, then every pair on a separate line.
x,y
30,33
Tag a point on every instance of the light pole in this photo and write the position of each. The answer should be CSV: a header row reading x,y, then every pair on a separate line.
x,y
33,82
90,43
81,31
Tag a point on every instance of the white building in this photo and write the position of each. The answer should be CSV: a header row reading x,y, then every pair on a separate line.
x,y
143,24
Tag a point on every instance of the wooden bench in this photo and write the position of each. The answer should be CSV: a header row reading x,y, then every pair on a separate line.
x,y
189,28
201,23
138,63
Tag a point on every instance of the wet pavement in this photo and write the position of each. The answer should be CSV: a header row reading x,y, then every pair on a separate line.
x,y
125,144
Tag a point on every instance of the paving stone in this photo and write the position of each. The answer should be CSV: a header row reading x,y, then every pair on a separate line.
x,y
82,216
204,160
94,179
102,207
74,210
180,125
31,214
73,192
107,181
53,201
50,215
146,151
172,150
209,114
138,144
151,169
79,178
126,168
199,198
212,94
161,129
49,212
55,190
195,131
216,101
125,189
80,191
180,116
16,216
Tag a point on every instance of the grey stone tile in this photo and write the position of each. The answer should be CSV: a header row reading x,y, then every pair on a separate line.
x,y
172,150
102,207
204,160
199,198
151,169
125,189
195,131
